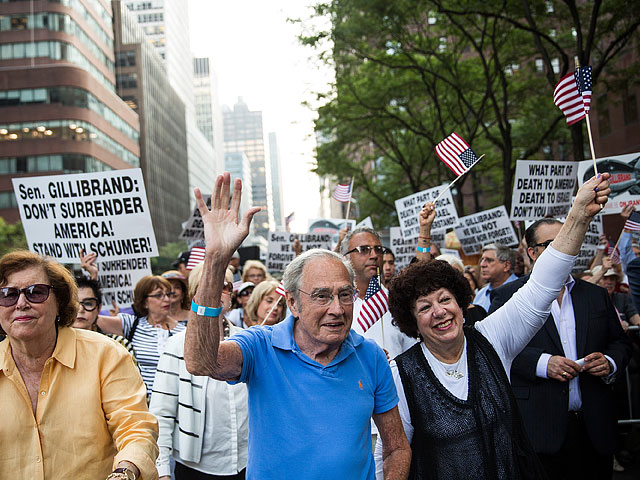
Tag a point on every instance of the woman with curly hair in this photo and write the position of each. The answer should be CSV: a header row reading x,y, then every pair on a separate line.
x,y
456,404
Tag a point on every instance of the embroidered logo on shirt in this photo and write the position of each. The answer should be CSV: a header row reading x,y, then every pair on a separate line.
x,y
360,384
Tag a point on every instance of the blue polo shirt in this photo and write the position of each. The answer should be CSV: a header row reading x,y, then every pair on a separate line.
x,y
307,420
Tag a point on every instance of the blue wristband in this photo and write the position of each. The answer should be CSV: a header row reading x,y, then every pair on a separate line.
x,y
205,311
424,250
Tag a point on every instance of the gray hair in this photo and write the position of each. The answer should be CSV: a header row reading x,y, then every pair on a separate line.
x,y
344,246
503,254
292,277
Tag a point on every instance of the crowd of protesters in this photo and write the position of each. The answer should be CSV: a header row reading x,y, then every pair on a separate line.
x,y
217,375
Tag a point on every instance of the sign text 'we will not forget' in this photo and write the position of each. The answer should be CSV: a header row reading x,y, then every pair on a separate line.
x,y
105,212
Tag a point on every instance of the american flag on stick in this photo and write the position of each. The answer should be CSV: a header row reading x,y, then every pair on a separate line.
x,y
280,289
196,257
456,154
573,94
342,193
614,254
633,222
374,306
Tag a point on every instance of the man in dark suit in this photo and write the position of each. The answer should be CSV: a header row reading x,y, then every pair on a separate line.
x,y
568,406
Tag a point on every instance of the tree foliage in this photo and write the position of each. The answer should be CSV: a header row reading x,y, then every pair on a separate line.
x,y
409,72
12,237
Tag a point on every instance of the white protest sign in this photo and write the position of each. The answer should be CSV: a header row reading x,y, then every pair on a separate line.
x,y
193,229
280,252
105,212
118,278
542,188
589,246
488,226
624,180
450,251
404,250
409,207
365,223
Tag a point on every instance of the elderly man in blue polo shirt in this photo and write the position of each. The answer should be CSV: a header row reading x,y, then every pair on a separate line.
x,y
313,384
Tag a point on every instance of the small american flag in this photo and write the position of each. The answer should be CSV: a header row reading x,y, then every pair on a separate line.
x,y
614,254
342,193
584,82
196,257
456,154
236,285
280,289
572,98
374,306
633,222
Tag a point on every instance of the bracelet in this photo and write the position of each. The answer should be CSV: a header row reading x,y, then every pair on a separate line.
x,y
426,238
424,250
205,311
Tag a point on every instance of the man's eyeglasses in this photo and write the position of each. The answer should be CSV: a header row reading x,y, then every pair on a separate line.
x,y
89,304
324,297
159,296
366,249
37,293
543,244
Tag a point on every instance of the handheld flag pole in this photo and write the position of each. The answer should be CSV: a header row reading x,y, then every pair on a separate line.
x,y
381,319
593,150
346,217
281,293
454,181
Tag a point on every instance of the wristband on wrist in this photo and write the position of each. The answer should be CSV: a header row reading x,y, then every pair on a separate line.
x,y
426,238
601,247
424,250
205,311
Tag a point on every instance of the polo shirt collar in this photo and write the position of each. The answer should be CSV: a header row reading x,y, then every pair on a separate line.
x,y
282,338
64,352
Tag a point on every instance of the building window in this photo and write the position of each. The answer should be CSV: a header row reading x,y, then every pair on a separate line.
x,y
126,59
127,80
555,64
539,65
604,121
8,200
629,107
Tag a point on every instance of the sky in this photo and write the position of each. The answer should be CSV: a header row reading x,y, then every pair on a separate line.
x,y
256,55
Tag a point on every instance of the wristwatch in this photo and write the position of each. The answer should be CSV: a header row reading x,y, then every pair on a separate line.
x,y
122,474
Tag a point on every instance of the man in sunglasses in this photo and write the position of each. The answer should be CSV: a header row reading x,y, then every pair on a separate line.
x,y
561,378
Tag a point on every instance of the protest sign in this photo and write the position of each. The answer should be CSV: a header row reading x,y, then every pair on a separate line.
x,y
118,278
542,188
365,223
330,225
280,252
193,230
450,251
404,250
488,226
104,212
589,246
624,180
409,207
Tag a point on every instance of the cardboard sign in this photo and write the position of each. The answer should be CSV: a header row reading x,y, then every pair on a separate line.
x,y
280,252
193,230
482,228
589,245
450,251
105,212
542,188
118,278
404,250
409,208
365,223
624,180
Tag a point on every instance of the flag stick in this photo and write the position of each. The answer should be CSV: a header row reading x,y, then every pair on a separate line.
x,y
456,179
346,217
272,309
593,150
382,318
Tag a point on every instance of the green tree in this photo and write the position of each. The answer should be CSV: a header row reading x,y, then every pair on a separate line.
x,y
11,237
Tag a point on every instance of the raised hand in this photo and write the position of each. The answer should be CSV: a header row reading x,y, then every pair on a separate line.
x,y
427,214
223,233
88,263
591,195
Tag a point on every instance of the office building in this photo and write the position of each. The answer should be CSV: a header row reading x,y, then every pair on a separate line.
x,y
143,84
276,181
237,164
166,24
59,111
243,133
208,112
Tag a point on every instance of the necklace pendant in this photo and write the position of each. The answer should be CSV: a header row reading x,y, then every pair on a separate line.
x,y
454,373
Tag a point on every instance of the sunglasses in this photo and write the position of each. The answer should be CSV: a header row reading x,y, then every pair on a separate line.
x,y
158,296
37,293
543,244
366,249
245,293
89,304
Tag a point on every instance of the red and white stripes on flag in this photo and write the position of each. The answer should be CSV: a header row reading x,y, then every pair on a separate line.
x,y
614,254
633,222
280,289
236,285
196,257
456,154
567,97
342,193
374,306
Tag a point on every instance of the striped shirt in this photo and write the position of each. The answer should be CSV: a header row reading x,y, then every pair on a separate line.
x,y
148,342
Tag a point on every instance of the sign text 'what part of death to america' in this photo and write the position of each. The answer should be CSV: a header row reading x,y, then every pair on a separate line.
x,y
105,212
542,188
408,209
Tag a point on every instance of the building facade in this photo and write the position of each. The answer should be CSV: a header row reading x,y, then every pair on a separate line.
x,y
59,111
238,165
208,112
276,182
243,133
143,84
